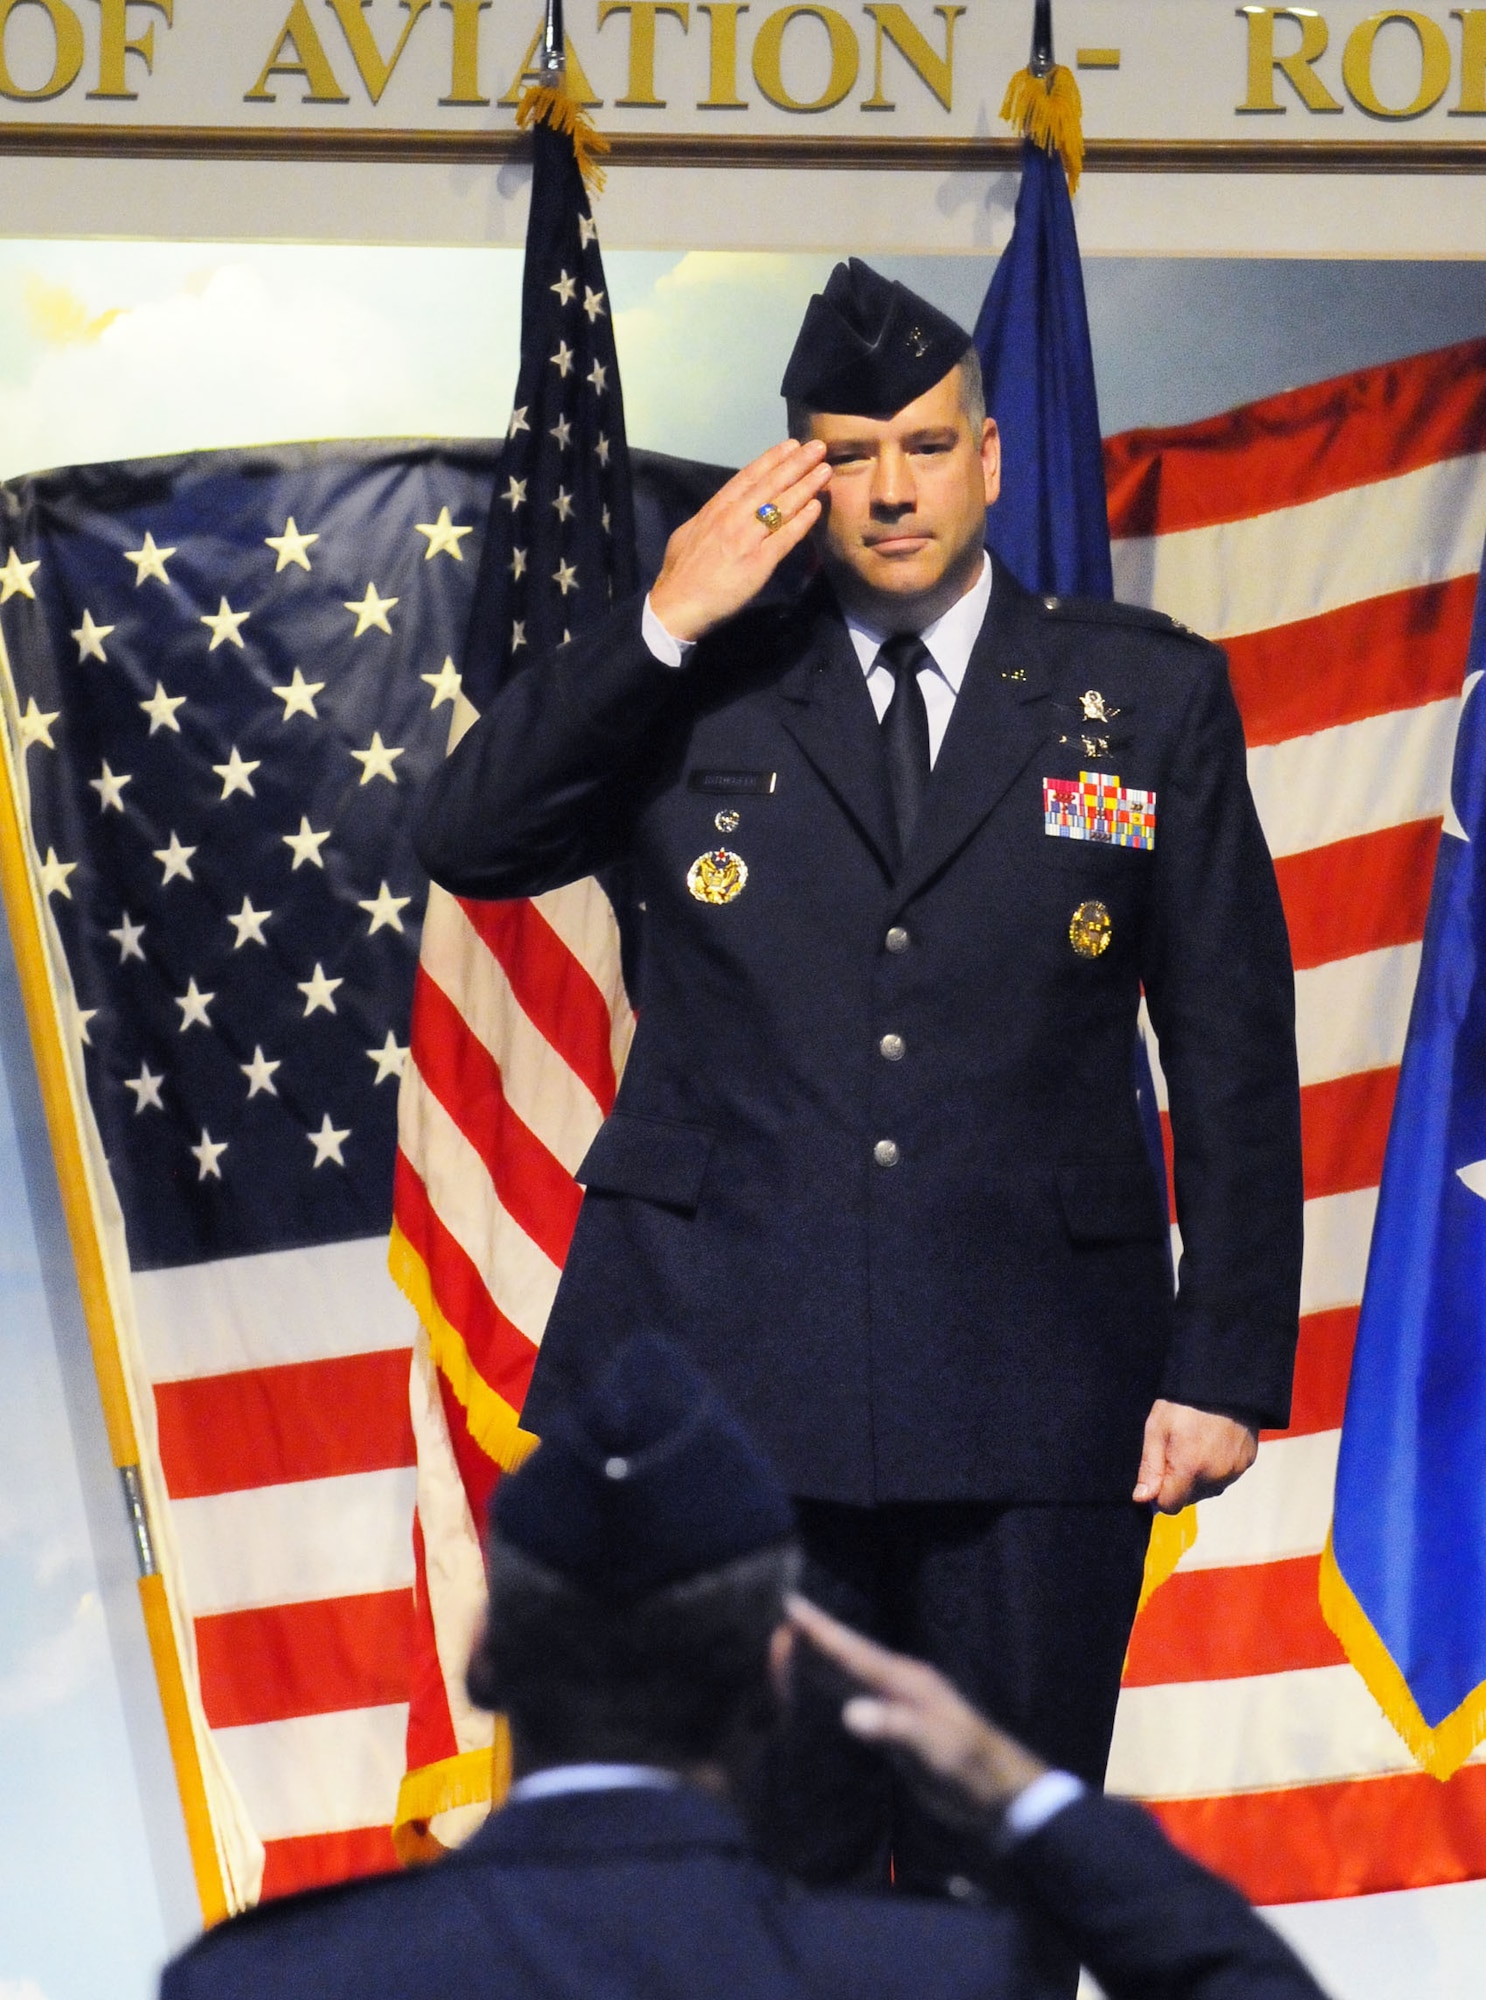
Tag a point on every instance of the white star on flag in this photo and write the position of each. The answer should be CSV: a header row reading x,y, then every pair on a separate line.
x,y
148,561
36,727
565,576
390,1059
127,938
82,1018
248,923
515,493
175,860
1474,1177
562,430
601,449
193,1004
161,708
54,875
563,504
146,1088
376,760
225,626
306,844
109,785
518,563
298,696
518,422
384,909
587,229
318,991
16,576
207,1152
445,683
327,1142
259,1073
236,775
443,537
370,610
565,288
90,638
291,546
593,304
518,634
562,361
598,375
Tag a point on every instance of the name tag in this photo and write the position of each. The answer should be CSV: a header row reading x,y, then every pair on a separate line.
x,y
1096,806
734,784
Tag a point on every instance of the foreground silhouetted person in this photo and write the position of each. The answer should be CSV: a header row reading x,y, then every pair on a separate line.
x,y
640,1636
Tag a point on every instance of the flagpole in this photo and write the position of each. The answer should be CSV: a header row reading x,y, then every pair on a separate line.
x,y
41,1000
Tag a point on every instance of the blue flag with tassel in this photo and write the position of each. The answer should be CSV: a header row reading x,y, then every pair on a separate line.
x,y
1051,524
1403,1578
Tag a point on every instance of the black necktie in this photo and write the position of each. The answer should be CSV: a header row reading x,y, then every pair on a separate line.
x,y
905,730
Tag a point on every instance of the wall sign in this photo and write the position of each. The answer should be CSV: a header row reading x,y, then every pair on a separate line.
x,y
1175,83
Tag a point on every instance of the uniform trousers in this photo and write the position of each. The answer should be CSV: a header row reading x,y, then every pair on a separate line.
x,y
1027,1609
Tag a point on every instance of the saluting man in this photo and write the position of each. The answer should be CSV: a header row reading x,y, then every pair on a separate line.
x,y
910,846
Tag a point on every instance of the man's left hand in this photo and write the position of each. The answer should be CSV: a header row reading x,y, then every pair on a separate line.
x,y
1190,1455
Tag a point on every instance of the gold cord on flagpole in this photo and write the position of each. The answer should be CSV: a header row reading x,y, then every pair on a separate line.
x,y
1043,102
554,104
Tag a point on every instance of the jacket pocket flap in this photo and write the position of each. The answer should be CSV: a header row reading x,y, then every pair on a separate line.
x,y
1108,1201
648,1157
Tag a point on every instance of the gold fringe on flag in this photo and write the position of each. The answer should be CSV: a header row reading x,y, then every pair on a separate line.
x,y
1049,111
554,104
1440,1750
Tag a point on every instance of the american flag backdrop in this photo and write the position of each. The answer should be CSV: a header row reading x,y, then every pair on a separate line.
x,y
1330,538
219,764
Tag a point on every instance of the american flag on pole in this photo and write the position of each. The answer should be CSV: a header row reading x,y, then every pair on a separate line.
x,y
1330,538
520,1017
226,676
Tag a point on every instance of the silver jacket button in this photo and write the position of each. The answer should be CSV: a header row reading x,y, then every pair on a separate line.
x,y
892,1046
885,1152
897,939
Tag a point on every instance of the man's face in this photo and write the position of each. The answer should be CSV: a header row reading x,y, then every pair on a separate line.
x,y
904,519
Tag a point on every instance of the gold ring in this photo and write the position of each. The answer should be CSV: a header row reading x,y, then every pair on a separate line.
x,y
771,517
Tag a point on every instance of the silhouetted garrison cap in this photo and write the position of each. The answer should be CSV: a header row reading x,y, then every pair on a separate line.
x,y
867,346
647,1479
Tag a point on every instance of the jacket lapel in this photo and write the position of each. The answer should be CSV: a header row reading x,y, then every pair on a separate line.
x,y
1000,717
825,706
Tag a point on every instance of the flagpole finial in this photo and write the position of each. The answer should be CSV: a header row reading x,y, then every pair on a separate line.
x,y
1042,100
554,50
1041,61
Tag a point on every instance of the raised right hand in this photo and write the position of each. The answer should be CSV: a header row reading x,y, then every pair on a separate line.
x,y
724,555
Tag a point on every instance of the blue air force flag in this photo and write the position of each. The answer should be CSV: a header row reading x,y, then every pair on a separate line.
x,y
1403,1583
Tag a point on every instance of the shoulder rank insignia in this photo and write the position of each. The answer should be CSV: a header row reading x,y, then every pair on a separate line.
x,y
717,877
1096,806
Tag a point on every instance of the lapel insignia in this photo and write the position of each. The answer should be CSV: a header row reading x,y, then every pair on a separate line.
x,y
1094,710
717,877
1096,806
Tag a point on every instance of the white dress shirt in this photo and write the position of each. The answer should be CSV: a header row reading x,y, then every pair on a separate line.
x,y
950,640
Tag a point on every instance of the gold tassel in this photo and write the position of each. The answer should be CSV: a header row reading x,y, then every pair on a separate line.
x,y
1049,111
554,105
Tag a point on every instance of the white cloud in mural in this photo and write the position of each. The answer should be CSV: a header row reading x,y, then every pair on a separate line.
x,y
20,1989
58,1665
702,357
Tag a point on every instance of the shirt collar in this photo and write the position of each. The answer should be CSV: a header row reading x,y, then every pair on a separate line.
x,y
950,638
558,1779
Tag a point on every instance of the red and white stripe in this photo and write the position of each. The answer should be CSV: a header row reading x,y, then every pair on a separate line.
x,y
1331,539
520,1029
278,1399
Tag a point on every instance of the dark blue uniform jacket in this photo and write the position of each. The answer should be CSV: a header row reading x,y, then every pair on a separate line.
x,y
990,1316
652,1895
